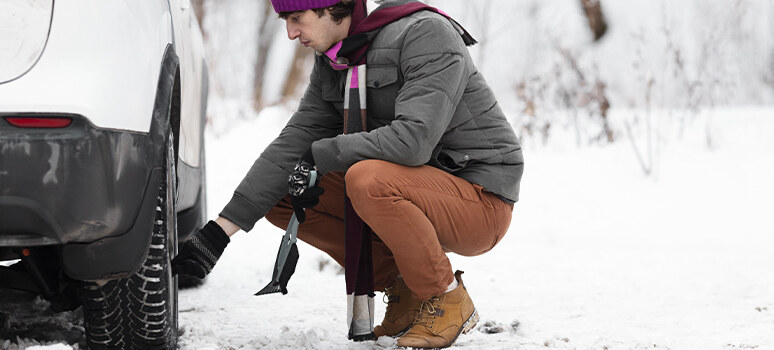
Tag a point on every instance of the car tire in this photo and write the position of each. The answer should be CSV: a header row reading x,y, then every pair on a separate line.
x,y
140,312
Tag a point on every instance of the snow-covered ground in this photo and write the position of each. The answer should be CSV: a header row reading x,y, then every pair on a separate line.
x,y
598,256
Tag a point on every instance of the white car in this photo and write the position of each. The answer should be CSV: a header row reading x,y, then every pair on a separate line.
x,y
102,110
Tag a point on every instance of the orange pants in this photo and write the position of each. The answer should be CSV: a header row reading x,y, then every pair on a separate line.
x,y
417,214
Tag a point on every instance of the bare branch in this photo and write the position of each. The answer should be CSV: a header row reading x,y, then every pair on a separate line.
x,y
597,23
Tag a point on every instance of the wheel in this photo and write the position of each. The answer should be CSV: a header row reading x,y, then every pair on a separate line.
x,y
140,312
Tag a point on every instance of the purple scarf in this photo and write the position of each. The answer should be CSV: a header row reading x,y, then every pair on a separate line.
x,y
350,54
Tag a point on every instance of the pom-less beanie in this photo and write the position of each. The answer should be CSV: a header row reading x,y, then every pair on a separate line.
x,y
301,5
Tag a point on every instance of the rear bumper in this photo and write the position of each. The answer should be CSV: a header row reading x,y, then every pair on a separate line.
x,y
76,184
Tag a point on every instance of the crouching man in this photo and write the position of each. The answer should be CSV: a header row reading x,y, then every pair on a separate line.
x,y
403,127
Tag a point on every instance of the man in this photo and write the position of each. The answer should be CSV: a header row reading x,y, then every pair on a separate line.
x,y
434,167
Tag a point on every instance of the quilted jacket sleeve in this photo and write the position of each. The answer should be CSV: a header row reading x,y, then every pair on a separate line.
x,y
266,182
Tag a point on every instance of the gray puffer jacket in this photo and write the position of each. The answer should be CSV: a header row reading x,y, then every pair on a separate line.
x,y
427,104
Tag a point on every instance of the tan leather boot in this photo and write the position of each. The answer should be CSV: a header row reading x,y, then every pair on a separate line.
x,y
441,319
402,308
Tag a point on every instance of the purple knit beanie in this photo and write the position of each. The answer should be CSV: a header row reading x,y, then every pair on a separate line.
x,y
301,5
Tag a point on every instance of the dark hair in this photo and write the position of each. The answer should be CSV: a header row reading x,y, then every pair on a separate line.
x,y
338,11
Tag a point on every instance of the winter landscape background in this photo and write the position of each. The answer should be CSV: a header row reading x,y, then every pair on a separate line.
x,y
660,239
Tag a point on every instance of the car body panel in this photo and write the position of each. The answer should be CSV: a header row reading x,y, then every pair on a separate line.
x,y
94,45
190,53
24,26
84,41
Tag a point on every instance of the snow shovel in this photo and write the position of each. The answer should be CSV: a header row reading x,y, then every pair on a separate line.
x,y
287,257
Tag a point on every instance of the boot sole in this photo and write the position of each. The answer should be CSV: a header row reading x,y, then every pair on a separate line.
x,y
466,327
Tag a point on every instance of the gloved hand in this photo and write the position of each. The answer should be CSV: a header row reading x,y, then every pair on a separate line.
x,y
198,255
302,193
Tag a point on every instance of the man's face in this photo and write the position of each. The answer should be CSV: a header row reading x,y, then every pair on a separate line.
x,y
315,32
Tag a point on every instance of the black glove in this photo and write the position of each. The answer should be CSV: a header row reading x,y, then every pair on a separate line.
x,y
302,193
198,255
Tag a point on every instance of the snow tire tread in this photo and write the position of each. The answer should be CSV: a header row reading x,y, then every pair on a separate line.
x,y
133,312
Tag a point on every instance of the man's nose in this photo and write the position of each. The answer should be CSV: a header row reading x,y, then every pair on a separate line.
x,y
293,32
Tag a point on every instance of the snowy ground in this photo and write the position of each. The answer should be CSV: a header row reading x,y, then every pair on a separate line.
x,y
598,256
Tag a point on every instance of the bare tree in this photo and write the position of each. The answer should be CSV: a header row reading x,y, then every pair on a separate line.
x,y
770,74
588,93
597,23
266,30
483,15
301,57
198,6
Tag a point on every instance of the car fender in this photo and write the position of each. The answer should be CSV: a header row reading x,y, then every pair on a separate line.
x,y
121,256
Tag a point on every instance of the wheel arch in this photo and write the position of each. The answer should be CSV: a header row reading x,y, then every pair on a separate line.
x,y
122,255
167,106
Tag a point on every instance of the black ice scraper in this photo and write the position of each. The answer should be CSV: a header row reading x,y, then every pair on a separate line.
x,y
287,257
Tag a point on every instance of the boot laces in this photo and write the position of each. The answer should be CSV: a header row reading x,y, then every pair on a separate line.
x,y
427,312
387,297
390,299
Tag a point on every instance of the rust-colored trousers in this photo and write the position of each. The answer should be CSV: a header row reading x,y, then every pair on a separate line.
x,y
417,213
